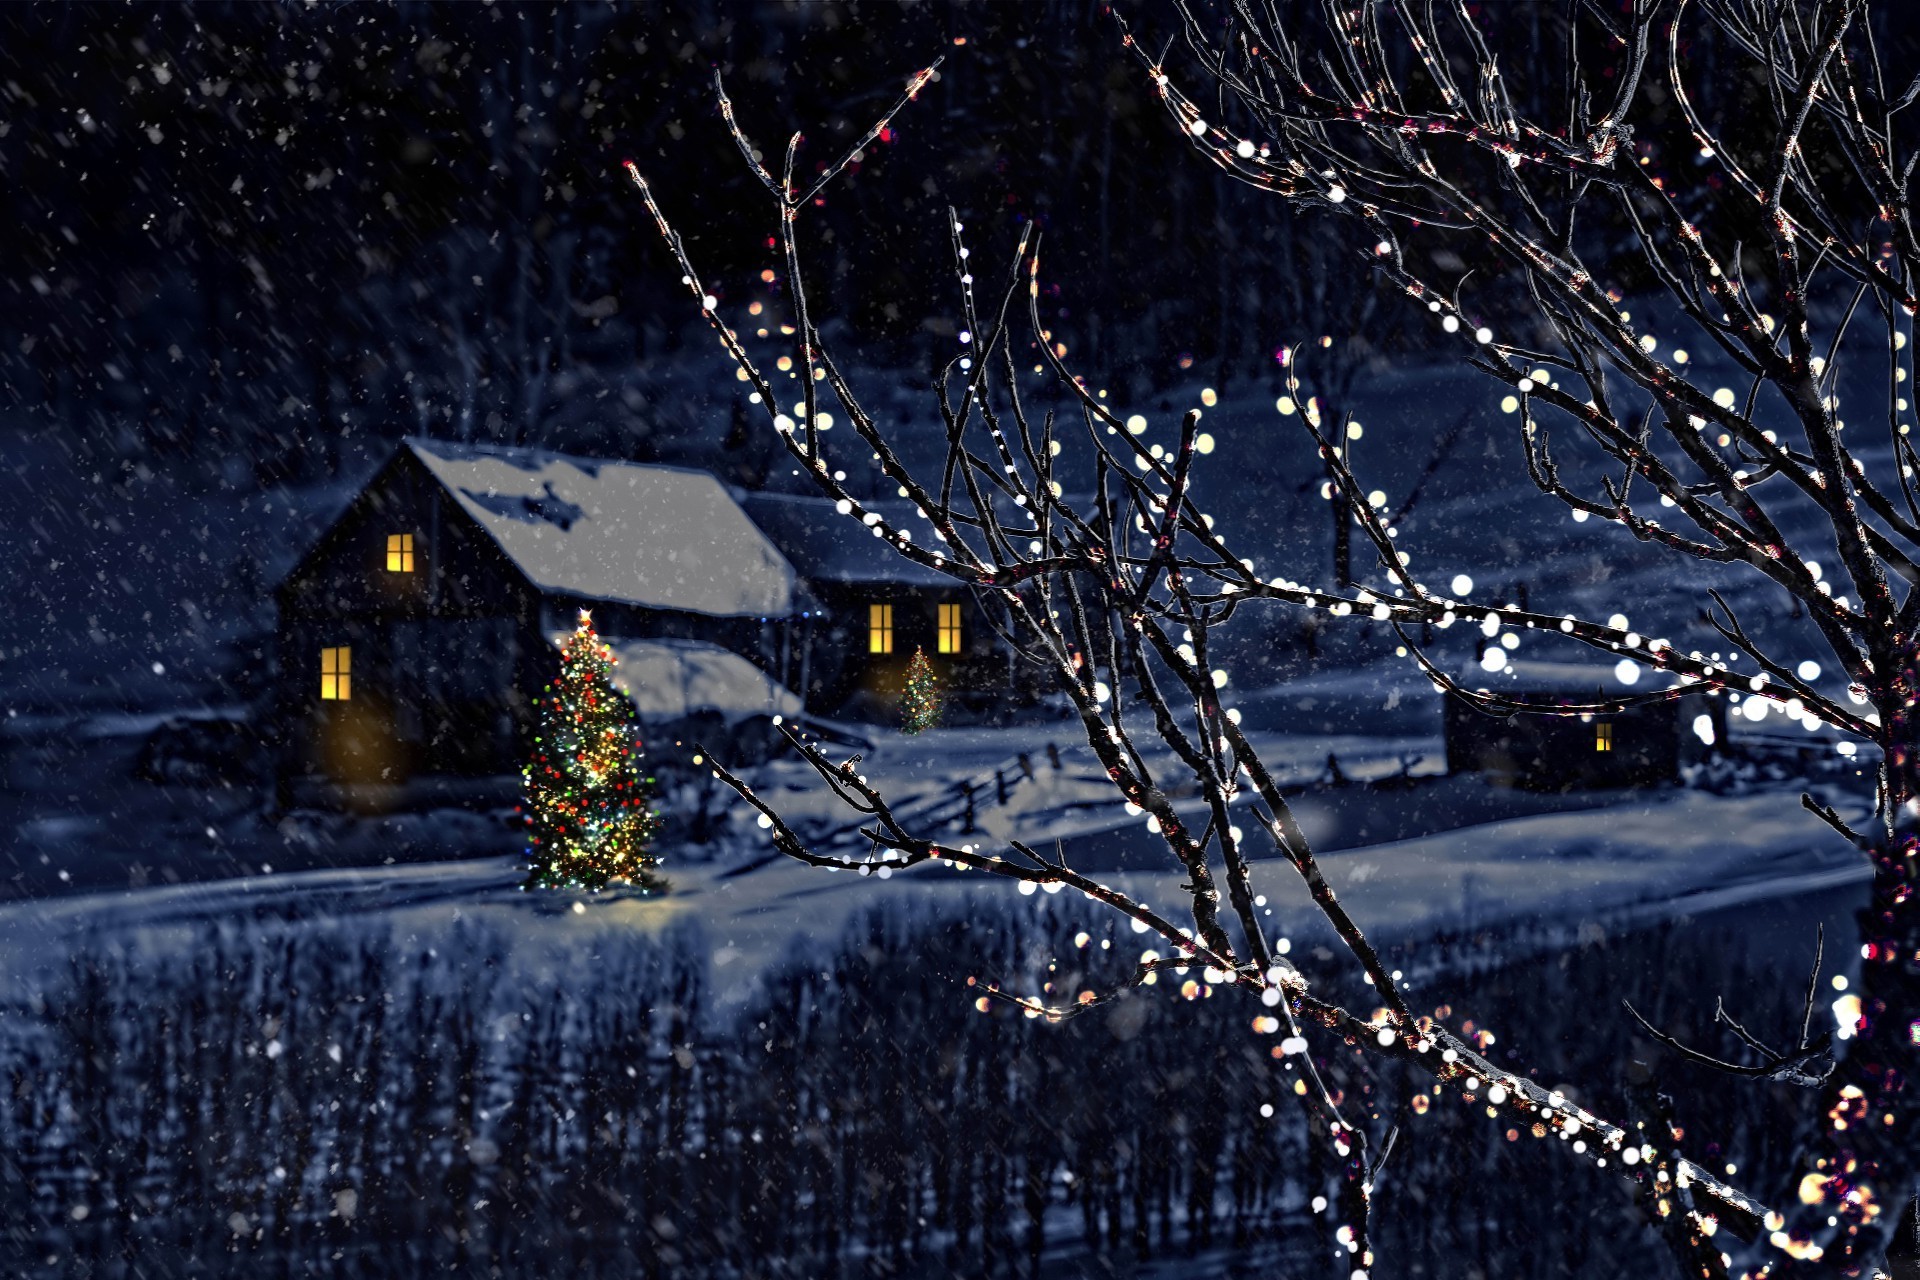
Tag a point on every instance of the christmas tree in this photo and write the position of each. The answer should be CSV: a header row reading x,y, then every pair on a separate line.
x,y
588,823
920,703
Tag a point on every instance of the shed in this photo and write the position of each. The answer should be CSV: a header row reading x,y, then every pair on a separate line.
x,y
1643,745
876,607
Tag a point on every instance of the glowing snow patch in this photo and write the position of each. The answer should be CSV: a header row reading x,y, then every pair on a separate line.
x,y
1703,728
1494,660
1808,670
1626,671
1462,584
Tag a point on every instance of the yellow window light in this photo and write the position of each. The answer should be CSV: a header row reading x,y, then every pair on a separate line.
x,y
399,553
949,628
336,673
880,628
1603,736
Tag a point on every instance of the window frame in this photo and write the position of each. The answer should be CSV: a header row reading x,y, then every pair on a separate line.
x,y
400,553
950,638
879,629
336,673
1603,735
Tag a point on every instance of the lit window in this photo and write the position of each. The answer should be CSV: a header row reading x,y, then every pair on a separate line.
x,y
880,628
399,553
336,674
949,628
1603,737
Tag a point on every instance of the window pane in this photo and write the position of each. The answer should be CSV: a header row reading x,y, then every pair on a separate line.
x,y
949,628
880,628
336,680
399,553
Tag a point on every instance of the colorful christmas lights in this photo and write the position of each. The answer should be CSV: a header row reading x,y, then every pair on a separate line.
x,y
588,824
920,702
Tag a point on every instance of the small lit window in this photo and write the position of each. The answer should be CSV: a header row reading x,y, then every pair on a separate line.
x,y
880,628
949,628
336,674
1603,737
399,553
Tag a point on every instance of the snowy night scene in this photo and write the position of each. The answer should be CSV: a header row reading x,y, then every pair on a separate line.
x,y
769,639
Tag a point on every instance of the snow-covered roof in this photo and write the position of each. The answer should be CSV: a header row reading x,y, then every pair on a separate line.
x,y
826,546
663,537
668,679
1569,679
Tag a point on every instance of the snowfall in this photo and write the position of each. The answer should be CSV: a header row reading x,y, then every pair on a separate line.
x,y
142,602
141,616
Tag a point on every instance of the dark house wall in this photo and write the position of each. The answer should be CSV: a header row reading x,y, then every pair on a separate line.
x,y
983,680
1648,744
441,656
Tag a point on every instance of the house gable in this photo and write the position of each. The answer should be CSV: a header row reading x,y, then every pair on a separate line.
x,y
452,567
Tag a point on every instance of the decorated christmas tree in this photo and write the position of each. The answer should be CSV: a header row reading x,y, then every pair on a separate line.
x,y
920,702
588,823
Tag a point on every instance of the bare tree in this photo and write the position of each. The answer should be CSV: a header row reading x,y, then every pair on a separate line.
x,y
1763,206
1119,597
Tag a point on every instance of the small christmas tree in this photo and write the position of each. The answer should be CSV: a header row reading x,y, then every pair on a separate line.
x,y
920,703
588,823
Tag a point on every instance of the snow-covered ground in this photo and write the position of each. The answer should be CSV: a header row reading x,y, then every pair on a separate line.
x,y
142,594
1453,855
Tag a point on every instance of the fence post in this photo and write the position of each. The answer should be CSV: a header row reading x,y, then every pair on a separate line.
x,y
966,827
1053,757
1000,785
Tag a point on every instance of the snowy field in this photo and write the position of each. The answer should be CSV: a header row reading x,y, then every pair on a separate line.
x,y
1411,851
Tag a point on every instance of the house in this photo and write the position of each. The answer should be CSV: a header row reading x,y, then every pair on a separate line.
x,y
875,607
414,636
1643,745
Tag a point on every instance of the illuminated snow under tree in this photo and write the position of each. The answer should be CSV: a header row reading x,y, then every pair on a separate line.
x,y
586,802
920,699
1138,577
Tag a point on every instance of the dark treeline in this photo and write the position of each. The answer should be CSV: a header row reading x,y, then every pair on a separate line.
x,y
265,1101
273,230
277,232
